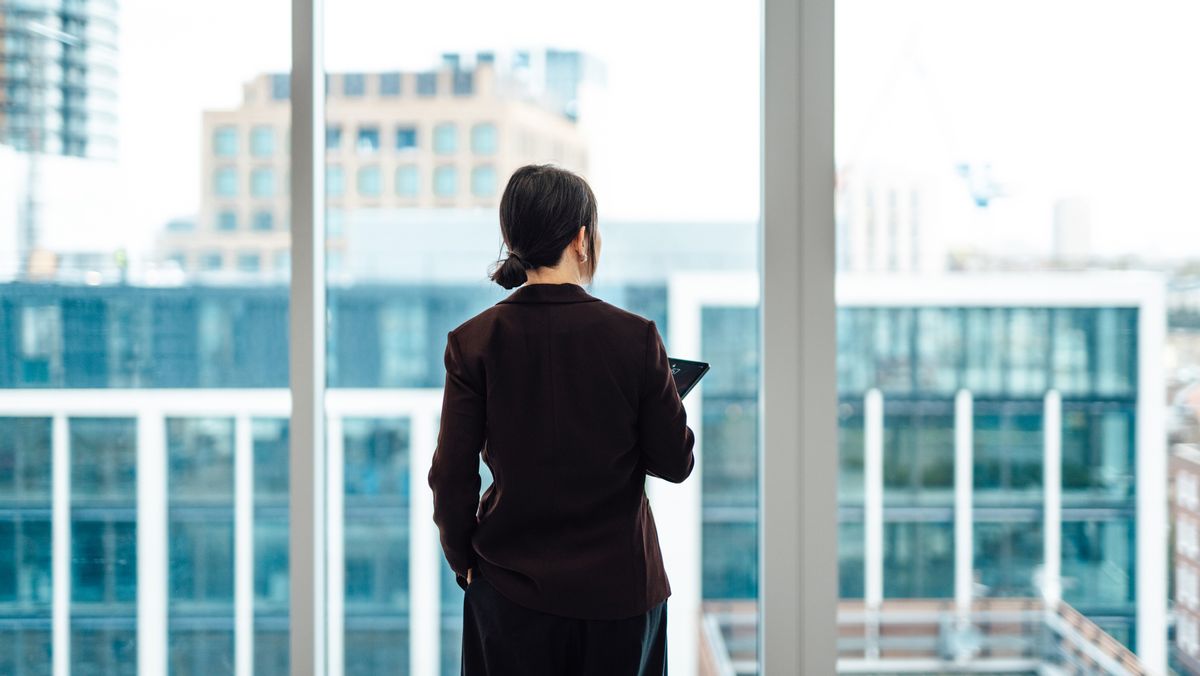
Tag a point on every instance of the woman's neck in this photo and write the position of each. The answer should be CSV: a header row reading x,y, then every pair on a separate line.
x,y
564,273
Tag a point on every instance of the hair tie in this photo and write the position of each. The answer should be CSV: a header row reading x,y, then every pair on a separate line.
x,y
513,255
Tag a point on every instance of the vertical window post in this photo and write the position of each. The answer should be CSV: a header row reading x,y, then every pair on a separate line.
x,y
798,475
307,359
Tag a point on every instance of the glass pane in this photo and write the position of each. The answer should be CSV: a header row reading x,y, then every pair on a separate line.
x,y
1018,333
143,331
414,255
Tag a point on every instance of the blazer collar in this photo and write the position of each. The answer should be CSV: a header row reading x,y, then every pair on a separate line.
x,y
550,293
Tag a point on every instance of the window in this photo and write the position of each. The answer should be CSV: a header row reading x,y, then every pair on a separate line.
x,y
464,83
335,180
445,181
249,262
389,84
212,260
483,181
483,138
262,141
333,137
227,220
406,137
354,84
368,140
370,181
262,182
264,220
445,138
407,180
281,86
225,182
426,84
225,141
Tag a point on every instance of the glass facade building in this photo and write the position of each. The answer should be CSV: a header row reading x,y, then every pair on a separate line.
x,y
386,344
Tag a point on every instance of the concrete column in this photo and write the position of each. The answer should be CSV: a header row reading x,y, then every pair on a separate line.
x,y
60,545
964,478
424,550
335,560
873,516
152,543
1052,497
243,546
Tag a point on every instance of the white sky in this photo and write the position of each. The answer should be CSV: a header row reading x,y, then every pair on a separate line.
x,y
1061,97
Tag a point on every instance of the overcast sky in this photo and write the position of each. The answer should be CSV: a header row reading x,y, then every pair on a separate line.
x,y
1063,98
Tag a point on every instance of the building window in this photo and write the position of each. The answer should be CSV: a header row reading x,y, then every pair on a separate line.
x,y
335,221
483,181
211,261
354,84
368,140
426,84
264,220
262,182
225,141
483,138
389,84
281,87
249,262
335,180
445,181
333,137
408,181
464,83
227,220
445,138
283,262
370,181
225,182
262,141
406,137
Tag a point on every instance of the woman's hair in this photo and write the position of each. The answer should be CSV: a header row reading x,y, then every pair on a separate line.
x,y
541,211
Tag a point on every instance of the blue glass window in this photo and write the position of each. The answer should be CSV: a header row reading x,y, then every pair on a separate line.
x,y
264,220
335,180
483,181
464,83
225,141
389,84
354,84
225,182
370,181
281,86
368,140
249,262
262,182
406,137
426,84
445,138
262,141
212,260
407,180
445,181
226,220
483,138
333,137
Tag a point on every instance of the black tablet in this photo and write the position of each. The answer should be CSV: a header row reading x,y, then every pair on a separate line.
x,y
687,374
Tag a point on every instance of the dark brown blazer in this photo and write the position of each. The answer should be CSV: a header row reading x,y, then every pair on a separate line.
x,y
571,403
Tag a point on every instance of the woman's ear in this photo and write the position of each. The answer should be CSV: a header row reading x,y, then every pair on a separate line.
x,y
581,240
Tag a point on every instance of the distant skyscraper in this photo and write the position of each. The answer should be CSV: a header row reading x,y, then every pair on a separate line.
x,y
1185,470
58,83
888,222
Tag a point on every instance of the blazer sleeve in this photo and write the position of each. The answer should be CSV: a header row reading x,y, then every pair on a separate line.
x,y
454,474
663,434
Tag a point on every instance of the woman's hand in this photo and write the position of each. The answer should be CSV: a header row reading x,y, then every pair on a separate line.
x,y
469,572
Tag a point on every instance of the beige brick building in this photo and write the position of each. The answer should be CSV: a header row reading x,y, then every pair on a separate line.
x,y
1185,503
443,138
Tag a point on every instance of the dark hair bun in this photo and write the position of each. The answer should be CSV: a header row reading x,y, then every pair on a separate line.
x,y
509,273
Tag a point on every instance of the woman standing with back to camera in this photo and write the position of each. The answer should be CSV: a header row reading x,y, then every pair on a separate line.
x,y
571,403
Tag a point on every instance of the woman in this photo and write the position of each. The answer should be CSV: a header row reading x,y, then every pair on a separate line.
x,y
571,403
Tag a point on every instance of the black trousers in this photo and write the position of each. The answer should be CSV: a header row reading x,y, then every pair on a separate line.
x,y
501,638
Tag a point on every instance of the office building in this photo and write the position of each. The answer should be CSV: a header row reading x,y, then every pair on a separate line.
x,y
170,492
445,138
